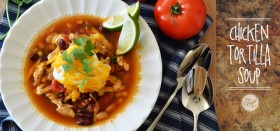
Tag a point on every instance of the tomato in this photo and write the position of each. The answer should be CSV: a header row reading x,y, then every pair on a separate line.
x,y
180,19
57,87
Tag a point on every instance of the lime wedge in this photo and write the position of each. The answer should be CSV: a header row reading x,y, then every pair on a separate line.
x,y
129,35
115,23
134,10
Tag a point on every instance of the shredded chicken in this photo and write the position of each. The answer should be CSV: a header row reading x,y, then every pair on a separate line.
x,y
38,73
123,63
52,55
57,37
101,39
72,36
63,109
42,89
54,98
66,111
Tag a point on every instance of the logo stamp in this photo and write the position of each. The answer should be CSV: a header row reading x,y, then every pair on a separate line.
x,y
250,102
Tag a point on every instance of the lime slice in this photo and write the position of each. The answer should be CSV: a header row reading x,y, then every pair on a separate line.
x,y
129,35
115,23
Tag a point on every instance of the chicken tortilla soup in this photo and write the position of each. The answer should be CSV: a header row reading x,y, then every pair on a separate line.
x,y
73,75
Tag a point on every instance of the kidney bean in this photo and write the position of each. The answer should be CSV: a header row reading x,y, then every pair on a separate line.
x,y
85,121
84,118
80,114
84,114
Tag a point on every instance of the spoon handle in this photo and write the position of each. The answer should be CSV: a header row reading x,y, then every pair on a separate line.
x,y
180,81
195,120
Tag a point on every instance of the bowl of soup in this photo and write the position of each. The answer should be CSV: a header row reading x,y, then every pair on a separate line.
x,y
59,69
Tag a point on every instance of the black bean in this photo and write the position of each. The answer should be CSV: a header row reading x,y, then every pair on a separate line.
x,y
84,96
69,102
76,104
62,96
49,65
62,44
43,58
34,57
95,95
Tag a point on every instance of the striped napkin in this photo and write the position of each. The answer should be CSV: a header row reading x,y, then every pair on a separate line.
x,y
176,117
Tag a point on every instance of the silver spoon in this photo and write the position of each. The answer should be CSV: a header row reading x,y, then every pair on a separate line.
x,y
199,55
197,92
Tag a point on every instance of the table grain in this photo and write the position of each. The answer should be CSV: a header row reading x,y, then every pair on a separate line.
x,y
210,38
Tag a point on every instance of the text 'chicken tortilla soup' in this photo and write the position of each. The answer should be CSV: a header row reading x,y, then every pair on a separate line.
x,y
73,75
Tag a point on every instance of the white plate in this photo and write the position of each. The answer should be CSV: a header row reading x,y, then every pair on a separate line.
x,y
39,16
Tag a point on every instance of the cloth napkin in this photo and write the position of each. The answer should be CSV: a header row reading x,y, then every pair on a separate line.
x,y
176,117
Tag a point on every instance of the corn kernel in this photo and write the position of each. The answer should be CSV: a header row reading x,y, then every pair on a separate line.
x,y
40,53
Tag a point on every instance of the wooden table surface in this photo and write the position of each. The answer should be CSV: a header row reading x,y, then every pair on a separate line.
x,y
210,38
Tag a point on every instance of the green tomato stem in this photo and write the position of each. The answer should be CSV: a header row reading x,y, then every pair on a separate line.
x,y
175,9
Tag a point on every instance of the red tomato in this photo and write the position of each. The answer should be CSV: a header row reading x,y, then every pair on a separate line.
x,y
57,87
180,19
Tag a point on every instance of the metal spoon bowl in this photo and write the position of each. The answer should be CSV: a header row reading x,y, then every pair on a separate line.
x,y
190,100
